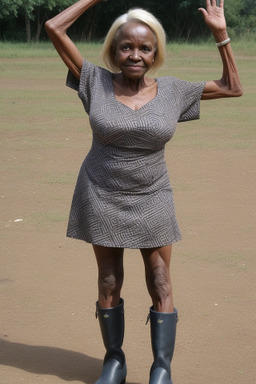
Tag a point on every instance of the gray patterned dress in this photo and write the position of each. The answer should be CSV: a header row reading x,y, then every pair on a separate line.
x,y
123,197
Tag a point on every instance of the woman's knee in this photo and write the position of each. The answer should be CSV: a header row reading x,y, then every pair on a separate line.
x,y
159,282
110,273
110,282
157,268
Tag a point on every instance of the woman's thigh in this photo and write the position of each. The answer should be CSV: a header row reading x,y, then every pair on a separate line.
x,y
157,257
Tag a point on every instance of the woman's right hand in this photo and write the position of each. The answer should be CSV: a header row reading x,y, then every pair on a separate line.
x,y
56,29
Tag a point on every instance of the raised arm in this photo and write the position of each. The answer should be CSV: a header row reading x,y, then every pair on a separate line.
x,y
57,28
229,85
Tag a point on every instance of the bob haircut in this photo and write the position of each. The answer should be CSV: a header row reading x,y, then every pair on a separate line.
x,y
141,16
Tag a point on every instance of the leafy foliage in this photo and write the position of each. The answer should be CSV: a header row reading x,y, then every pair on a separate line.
x,y
180,18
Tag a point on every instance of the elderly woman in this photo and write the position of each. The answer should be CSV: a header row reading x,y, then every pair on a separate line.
x,y
123,197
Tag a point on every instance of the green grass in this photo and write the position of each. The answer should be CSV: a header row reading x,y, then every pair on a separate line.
x,y
68,178
34,97
42,219
39,50
245,45
45,133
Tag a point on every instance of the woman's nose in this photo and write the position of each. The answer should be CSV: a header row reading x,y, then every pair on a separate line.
x,y
135,55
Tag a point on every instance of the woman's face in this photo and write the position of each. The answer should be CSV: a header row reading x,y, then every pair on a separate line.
x,y
135,49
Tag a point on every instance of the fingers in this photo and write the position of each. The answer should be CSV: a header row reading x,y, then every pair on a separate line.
x,y
217,3
209,6
214,3
203,11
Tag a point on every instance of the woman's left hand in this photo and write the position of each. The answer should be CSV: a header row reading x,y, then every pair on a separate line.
x,y
214,15
229,85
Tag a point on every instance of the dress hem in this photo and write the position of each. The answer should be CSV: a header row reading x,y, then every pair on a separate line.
x,y
127,246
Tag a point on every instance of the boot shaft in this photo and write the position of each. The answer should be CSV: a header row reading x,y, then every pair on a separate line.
x,y
112,329
112,326
163,334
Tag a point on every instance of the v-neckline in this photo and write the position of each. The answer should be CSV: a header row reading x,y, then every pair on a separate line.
x,y
127,106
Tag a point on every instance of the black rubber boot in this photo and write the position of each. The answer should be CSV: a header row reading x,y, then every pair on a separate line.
x,y
112,328
163,333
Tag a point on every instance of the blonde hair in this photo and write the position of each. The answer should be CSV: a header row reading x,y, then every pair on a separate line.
x,y
141,16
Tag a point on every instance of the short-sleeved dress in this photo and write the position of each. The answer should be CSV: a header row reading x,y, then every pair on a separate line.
x,y
123,197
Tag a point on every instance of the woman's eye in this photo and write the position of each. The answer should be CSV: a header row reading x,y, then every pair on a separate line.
x,y
146,49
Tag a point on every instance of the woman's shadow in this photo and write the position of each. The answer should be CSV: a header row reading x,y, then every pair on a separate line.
x,y
68,365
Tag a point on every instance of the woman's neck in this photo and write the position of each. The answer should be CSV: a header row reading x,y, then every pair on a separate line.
x,y
132,85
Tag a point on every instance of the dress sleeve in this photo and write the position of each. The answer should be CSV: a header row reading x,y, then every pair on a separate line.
x,y
190,95
85,84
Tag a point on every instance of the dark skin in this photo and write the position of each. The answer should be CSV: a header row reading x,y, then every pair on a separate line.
x,y
134,53
157,271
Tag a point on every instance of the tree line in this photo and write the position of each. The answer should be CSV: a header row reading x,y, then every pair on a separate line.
x,y
22,20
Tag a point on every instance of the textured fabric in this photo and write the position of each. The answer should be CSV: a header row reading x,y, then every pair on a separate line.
x,y
123,197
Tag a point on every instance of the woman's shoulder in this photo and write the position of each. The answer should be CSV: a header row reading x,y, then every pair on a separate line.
x,y
90,75
167,80
173,83
169,83
89,68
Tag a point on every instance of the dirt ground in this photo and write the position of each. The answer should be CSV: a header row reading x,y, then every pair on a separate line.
x,y
49,333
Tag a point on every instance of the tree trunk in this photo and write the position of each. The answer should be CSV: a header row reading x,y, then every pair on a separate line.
x,y
92,22
28,28
39,26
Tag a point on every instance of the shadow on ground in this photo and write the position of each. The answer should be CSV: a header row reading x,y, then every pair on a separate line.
x,y
67,365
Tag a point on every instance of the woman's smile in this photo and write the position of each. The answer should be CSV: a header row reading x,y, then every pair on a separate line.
x,y
134,67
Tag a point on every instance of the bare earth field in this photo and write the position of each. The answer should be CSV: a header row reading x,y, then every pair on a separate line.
x,y
48,283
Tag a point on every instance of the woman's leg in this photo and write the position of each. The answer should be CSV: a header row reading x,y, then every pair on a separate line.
x,y
157,269
110,275
110,313
162,315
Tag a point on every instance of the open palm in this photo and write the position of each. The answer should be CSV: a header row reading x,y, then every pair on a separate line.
x,y
214,15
